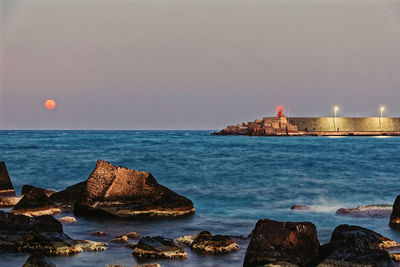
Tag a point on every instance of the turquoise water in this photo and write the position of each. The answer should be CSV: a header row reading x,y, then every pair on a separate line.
x,y
232,180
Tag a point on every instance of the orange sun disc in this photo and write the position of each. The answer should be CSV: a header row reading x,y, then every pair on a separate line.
x,y
50,104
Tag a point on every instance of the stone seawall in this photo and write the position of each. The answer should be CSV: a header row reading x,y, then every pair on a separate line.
x,y
319,126
361,124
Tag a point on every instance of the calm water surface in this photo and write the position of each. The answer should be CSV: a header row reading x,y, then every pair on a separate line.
x,y
232,180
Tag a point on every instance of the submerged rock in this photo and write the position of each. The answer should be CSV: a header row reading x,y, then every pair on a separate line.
x,y
126,193
205,242
352,245
67,220
26,188
66,198
158,247
149,265
380,210
41,234
132,235
6,187
282,244
395,216
35,203
38,260
120,239
98,234
300,207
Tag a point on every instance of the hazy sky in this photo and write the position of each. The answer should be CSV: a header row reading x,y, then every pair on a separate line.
x,y
172,64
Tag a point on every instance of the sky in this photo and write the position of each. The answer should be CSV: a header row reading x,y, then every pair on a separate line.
x,y
185,64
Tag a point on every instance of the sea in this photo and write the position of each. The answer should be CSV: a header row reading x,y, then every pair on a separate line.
x,y
233,182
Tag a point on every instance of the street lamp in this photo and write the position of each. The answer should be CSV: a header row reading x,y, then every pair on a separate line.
x,y
382,109
336,108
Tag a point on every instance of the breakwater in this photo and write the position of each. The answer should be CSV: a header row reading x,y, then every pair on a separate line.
x,y
326,126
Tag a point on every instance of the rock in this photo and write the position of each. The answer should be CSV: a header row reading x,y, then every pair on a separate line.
x,y
352,245
41,234
381,210
353,257
9,202
131,245
204,242
67,220
38,260
6,187
132,235
120,239
158,247
26,188
98,234
65,199
395,216
35,203
300,207
149,265
361,238
125,193
284,243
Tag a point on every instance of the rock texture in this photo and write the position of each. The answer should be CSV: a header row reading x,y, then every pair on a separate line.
x,y
395,216
158,247
38,260
26,188
282,243
379,210
352,245
35,203
65,199
6,187
40,234
204,242
122,192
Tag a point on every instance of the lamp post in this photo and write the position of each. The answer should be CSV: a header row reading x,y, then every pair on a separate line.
x,y
382,109
336,108
380,118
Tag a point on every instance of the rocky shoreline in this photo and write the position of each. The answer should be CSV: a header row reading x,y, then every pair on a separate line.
x,y
122,193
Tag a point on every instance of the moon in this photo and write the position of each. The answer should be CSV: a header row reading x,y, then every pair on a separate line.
x,y
50,104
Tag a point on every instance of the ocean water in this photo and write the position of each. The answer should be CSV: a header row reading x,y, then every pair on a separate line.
x,y
232,180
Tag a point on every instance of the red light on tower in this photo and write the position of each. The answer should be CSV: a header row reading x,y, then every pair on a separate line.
x,y
280,111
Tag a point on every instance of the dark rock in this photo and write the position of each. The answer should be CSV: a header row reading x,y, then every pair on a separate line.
x,y
361,238
158,247
121,192
65,199
38,260
352,245
35,203
352,257
300,207
284,243
26,188
120,239
204,242
6,187
381,210
395,216
43,234
131,235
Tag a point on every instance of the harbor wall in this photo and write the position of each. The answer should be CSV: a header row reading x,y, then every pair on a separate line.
x,y
360,124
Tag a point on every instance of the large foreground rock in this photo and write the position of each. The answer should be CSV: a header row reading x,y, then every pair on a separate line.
x,y
6,187
282,243
40,234
354,246
35,203
204,242
122,192
158,247
379,210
